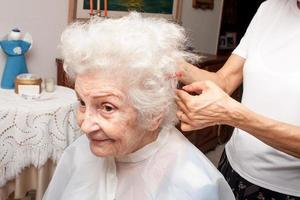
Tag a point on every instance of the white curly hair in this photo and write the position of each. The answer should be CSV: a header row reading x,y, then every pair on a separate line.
x,y
137,51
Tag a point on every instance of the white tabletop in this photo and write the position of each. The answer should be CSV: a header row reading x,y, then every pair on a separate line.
x,y
32,131
62,96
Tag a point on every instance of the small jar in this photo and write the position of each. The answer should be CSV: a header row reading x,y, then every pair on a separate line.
x,y
28,82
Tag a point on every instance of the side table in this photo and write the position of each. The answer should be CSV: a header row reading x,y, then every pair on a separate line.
x,y
32,132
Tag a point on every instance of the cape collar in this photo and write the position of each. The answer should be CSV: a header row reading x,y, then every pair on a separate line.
x,y
148,150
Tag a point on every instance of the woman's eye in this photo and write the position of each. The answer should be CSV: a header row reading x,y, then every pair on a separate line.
x,y
81,102
81,107
108,107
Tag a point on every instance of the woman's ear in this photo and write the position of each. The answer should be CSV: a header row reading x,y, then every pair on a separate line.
x,y
156,121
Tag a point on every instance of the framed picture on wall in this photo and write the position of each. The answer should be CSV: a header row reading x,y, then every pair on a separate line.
x,y
203,4
170,9
231,40
228,41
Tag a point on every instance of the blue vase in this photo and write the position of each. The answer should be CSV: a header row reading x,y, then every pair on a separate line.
x,y
15,63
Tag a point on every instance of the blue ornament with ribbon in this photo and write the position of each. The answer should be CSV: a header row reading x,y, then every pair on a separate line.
x,y
15,47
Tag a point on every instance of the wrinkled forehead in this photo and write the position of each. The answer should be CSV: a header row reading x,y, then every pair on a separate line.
x,y
96,82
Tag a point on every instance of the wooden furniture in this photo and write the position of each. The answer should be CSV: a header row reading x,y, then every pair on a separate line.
x,y
208,138
205,139
62,78
31,181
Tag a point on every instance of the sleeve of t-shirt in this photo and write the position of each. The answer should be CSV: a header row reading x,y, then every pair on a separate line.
x,y
249,36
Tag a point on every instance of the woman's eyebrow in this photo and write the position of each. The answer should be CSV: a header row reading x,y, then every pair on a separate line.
x,y
107,93
108,97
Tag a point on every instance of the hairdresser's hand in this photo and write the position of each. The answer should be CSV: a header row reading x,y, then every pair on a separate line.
x,y
209,107
186,72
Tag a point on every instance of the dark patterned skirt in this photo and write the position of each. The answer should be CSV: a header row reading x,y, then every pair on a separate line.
x,y
243,189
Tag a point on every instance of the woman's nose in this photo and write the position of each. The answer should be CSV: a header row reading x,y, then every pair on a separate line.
x,y
89,124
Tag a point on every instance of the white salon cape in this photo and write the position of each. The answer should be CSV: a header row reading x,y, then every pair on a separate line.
x,y
170,168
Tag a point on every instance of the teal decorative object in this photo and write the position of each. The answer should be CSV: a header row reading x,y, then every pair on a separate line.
x,y
15,47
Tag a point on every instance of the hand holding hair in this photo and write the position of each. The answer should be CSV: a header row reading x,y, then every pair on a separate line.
x,y
209,107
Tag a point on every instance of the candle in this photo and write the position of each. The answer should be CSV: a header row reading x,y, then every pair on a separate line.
x,y
91,7
49,85
105,8
99,5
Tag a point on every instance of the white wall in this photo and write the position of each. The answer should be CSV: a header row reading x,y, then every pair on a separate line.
x,y
44,20
202,25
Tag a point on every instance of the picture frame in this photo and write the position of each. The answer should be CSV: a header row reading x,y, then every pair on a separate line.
x,y
228,41
231,40
203,4
222,42
77,12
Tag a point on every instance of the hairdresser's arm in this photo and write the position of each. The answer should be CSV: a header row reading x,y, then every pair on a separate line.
x,y
213,106
282,136
229,77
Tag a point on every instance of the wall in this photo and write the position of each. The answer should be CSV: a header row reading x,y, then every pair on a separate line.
x,y
203,25
44,20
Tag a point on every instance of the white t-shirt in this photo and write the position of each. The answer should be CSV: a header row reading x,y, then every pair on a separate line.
x,y
170,168
271,81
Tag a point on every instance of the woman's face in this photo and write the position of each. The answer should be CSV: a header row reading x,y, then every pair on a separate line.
x,y
107,118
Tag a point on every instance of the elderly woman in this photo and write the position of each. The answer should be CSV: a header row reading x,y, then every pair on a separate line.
x,y
131,149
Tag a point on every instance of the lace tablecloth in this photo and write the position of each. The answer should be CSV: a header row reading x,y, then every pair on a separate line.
x,y
32,131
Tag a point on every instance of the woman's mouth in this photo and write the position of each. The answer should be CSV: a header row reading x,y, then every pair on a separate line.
x,y
100,142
